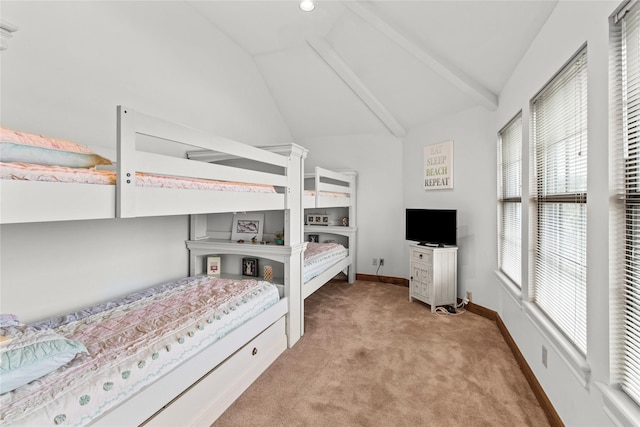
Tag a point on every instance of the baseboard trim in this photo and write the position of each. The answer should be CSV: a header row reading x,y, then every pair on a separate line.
x,y
383,279
541,396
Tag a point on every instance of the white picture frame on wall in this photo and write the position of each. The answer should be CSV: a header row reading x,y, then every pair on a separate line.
x,y
438,166
247,226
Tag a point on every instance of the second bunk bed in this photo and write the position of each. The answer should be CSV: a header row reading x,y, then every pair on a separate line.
x,y
330,206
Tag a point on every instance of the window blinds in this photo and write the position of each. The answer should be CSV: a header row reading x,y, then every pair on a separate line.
x,y
626,84
509,198
559,137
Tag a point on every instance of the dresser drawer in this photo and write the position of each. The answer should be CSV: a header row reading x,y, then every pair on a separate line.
x,y
419,255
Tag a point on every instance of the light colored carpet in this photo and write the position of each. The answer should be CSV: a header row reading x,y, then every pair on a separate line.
x,y
369,357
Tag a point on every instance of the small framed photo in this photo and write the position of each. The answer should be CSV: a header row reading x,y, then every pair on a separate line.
x,y
317,219
313,238
214,266
247,226
250,267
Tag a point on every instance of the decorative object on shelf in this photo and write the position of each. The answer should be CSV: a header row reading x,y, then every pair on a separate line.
x,y
438,166
317,219
278,236
247,226
345,221
268,273
250,267
254,240
313,238
214,265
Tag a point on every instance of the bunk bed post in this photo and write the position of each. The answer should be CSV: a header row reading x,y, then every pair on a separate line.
x,y
126,177
317,186
353,175
294,233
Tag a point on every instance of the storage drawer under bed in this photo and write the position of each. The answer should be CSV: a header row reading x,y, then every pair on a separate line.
x,y
207,399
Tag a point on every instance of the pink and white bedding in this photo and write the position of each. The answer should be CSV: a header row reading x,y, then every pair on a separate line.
x,y
318,257
131,342
33,172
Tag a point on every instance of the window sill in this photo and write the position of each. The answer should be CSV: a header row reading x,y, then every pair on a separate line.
x,y
510,287
619,407
572,357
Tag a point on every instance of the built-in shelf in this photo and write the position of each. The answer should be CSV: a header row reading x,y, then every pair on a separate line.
x,y
201,248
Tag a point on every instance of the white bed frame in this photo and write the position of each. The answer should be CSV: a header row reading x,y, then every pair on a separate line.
x,y
324,180
34,201
341,182
348,263
198,391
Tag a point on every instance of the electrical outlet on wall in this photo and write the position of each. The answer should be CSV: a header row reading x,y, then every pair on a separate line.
x,y
375,261
381,261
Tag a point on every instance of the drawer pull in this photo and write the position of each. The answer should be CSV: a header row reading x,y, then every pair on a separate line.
x,y
420,256
254,351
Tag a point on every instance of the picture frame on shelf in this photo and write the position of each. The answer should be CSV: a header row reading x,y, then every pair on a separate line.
x,y
313,238
250,267
247,227
317,219
214,266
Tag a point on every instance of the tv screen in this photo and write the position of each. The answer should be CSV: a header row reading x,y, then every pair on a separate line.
x,y
437,227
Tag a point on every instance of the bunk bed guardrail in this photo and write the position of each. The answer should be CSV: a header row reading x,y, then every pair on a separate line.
x,y
132,201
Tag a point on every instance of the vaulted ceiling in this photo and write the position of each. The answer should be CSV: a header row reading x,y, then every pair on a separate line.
x,y
361,67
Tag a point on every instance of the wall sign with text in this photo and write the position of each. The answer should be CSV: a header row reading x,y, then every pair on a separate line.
x,y
438,166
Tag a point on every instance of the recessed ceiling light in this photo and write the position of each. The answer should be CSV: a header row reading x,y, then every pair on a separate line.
x,y
307,5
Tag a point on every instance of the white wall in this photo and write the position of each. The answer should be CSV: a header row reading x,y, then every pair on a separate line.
x,y
473,193
571,25
54,268
66,69
70,63
378,161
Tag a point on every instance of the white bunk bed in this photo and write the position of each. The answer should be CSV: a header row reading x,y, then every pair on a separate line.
x,y
201,388
325,190
37,201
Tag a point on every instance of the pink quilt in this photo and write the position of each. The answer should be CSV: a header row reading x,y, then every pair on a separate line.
x,y
31,172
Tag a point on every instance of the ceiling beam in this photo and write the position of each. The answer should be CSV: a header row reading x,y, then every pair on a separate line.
x,y
458,78
331,57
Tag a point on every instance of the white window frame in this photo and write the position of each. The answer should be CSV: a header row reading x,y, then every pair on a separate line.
x,y
622,396
558,277
509,198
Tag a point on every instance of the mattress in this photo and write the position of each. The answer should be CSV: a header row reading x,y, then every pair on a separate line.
x,y
131,342
33,172
318,257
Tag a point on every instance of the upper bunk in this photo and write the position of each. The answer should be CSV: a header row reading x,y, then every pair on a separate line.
x,y
324,188
153,175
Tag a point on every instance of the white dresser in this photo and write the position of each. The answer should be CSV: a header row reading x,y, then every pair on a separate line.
x,y
433,275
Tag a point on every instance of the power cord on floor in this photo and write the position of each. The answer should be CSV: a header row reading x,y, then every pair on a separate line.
x,y
449,310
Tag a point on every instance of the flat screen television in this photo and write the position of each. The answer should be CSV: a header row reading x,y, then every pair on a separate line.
x,y
432,227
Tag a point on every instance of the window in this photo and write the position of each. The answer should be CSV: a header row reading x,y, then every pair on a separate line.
x,y
626,130
559,200
509,199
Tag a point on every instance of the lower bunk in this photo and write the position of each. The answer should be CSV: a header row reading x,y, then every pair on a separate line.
x,y
322,262
176,354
